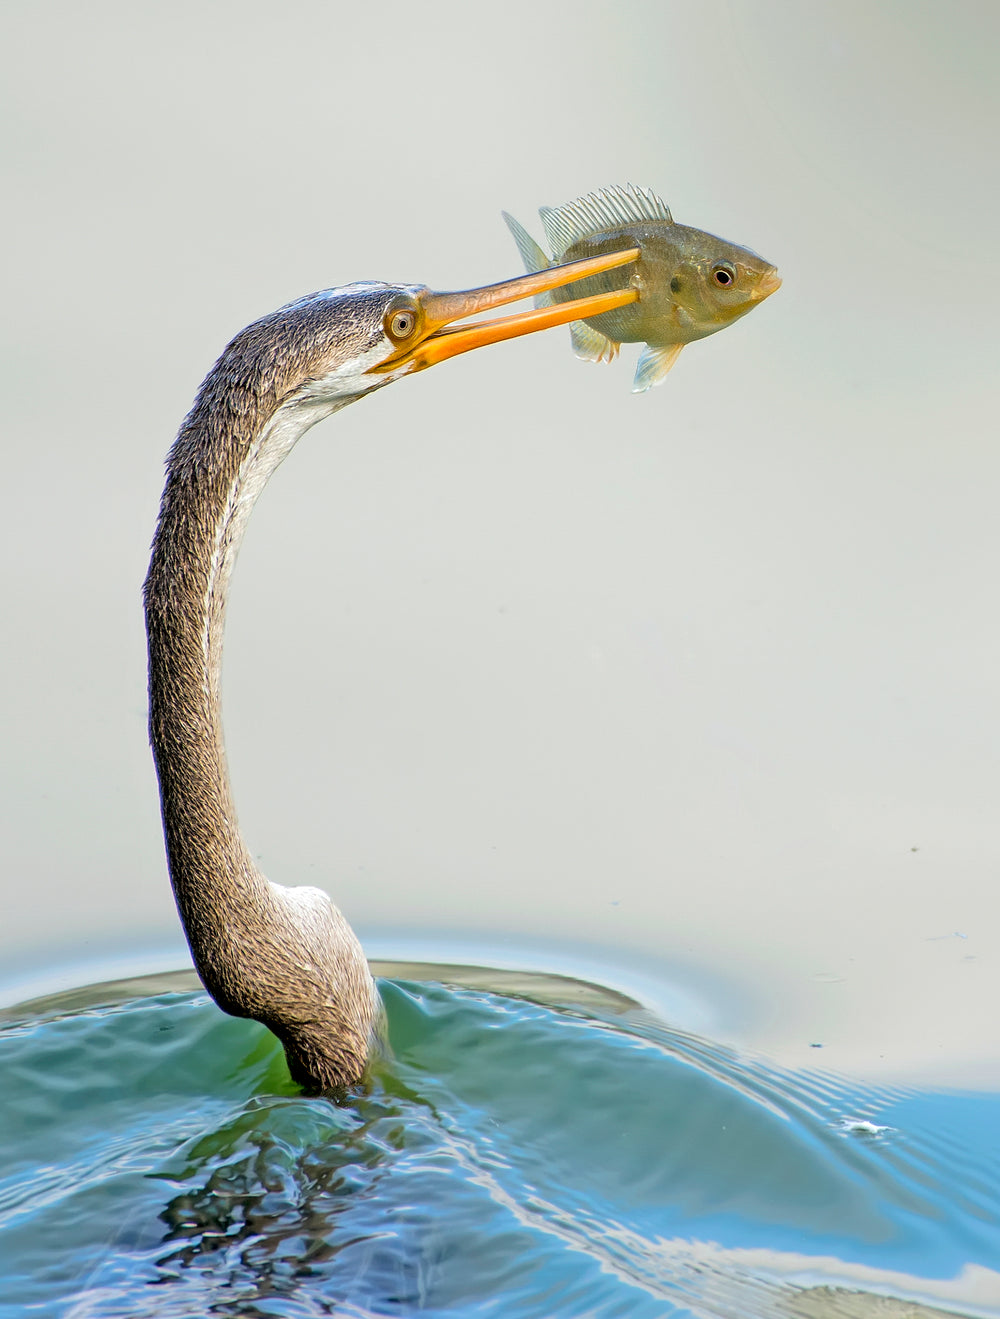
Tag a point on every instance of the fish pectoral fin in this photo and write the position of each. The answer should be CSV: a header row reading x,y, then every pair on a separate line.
x,y
590,345
653,365
531,254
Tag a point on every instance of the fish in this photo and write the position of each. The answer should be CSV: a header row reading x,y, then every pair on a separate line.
x,y
690,283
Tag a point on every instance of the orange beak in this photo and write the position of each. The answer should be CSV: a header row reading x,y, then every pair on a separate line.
x,y
438,338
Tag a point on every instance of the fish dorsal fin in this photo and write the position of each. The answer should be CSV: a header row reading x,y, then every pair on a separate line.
x,y
653,365
590,345
531,254
605,209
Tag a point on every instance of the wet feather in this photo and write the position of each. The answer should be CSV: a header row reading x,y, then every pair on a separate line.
x,y
690,283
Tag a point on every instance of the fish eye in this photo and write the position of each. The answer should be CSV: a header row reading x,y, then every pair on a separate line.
x,y
401,323
724,274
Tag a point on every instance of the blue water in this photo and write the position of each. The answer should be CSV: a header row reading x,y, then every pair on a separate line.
x,y
506,1158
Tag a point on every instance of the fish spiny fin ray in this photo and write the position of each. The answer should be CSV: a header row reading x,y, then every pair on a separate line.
x,y
653,365
590,345
531,254
605,209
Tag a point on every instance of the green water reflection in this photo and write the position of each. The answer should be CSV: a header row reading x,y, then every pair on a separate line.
x,y
507,1157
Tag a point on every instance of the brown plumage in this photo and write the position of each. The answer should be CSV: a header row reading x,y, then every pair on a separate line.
x,y
285,957
307,978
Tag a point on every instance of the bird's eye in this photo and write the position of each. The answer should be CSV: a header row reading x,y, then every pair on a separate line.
x,y
402,323
724,274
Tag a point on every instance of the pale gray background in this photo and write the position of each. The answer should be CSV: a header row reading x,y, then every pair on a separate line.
x,y
694,693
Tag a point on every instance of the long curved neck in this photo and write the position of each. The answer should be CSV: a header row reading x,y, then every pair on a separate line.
x,y
216,471
260,950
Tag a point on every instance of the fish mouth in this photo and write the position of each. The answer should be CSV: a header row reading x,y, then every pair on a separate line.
x,y
438,338
769,283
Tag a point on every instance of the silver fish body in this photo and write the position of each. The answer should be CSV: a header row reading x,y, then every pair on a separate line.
x,y
690,283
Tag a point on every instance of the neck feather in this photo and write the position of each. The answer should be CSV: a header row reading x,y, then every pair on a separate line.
x,y
285,957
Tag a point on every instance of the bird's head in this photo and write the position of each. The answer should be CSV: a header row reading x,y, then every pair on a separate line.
x,y
363,336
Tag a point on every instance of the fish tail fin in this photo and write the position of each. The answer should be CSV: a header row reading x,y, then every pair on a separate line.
x,y
590,345
653,365
531,254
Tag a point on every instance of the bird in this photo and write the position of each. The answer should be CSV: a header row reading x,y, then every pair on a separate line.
x,y
283,956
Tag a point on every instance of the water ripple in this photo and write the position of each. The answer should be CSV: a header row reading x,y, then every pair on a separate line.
x,y
506,1158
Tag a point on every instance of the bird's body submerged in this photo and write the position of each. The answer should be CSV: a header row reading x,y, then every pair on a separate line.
x,y
285,957
690,283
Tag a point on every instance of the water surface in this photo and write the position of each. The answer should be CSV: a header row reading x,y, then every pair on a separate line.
x,y
508,1155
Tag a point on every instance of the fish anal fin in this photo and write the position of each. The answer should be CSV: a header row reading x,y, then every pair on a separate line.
x,y
590,345
653,365
531,254
608,208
